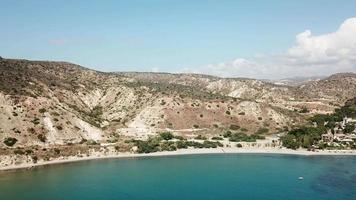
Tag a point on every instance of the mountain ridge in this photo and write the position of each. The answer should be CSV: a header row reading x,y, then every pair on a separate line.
x,y
54,103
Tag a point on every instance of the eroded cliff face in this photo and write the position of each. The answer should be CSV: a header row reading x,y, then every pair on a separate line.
x,y
56,103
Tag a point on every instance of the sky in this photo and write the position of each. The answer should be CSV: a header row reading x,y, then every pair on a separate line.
x,y
229,38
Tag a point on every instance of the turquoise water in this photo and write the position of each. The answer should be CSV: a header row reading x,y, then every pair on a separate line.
x,y
195,177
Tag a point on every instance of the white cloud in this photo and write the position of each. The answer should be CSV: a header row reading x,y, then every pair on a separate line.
x,y
310,56
155,69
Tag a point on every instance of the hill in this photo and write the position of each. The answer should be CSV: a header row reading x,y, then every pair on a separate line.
x,y
58,103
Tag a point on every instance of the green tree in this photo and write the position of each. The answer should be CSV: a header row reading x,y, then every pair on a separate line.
x,y
290,141
349,127
307,142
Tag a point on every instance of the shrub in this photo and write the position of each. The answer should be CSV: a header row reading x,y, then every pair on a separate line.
x,y
242,137
113,140
195,144
210,144
238,145
228,112
10,141
227,134
216,138
96,112
200,137
307,142
168,146
262,131
28,151
91,142
55,114
182,144
19,152
36,121
205,144
178,137
57,151
34,159
83,141
304,110
148,146
31,130
42,110
196,126
242,113
234,127
166,135
42,137
349,127
258,137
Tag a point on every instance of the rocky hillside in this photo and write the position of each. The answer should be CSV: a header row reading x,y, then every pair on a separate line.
x,y
337,88
52,103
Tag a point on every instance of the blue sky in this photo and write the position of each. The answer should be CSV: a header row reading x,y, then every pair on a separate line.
x,y
164,35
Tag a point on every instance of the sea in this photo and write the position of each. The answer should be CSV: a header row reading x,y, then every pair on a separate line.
x,y
184,177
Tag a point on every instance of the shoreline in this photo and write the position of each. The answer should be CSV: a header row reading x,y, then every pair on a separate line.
x,y
281,151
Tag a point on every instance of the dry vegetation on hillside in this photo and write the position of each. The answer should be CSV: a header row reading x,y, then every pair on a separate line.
x,y
48,104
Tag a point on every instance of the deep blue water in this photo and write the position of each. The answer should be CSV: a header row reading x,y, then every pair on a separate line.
x,y
219,177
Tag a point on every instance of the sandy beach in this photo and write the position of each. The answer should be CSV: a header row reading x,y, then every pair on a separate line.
x,y
225,150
